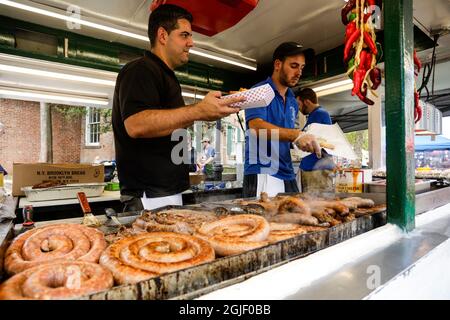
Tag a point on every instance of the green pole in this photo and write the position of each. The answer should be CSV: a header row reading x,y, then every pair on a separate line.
x,y
399,70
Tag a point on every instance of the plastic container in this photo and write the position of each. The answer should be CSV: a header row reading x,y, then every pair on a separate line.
x,y
112,186
352,180
64,192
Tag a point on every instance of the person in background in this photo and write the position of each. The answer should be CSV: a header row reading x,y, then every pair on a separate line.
x,y
193,166
208,154
272,171
316,173
148,108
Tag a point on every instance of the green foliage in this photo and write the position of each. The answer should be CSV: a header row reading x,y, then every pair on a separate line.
x,y
69,112
359,139
106,122
73,112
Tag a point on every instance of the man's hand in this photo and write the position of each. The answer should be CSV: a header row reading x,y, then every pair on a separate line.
x,y
213,108
308,143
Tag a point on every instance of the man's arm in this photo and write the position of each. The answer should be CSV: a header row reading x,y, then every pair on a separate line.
x,y
161,123
209,160
212,155
304,141
284,134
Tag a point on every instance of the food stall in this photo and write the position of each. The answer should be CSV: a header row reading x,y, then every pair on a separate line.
x,y
224,247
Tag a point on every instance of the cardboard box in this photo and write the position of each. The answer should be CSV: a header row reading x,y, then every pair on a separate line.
x,y
352,180
195,179
29,174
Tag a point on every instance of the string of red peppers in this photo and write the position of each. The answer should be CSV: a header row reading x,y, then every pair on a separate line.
x,y
360,53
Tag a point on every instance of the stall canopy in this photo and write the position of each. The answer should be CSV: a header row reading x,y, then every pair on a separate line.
x,y
425,143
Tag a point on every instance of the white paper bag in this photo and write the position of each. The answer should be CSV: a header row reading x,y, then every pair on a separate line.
x,y
332,134
257,97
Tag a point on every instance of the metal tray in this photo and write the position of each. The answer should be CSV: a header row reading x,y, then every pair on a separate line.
x,y
63,192
421,186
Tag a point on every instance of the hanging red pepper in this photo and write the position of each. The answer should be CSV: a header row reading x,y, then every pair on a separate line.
x,y
358,75
419,114
364,60
362,95
417,108
351,4
349,44
368,60
369,41
375,77
358,79
367,16
349,30
417,61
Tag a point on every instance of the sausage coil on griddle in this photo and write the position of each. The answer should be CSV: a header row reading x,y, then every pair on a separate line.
x,y
236,234
57,281
138,258
54,243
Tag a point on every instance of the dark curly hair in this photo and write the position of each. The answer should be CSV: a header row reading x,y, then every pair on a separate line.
x,y
166,16
307,94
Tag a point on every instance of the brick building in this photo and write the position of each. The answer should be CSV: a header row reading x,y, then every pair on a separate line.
x,y
74,140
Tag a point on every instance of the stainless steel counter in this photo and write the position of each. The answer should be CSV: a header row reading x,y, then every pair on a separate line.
x,y
355,269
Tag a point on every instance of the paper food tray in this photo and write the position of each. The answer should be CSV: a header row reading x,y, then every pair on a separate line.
x,y
64,192
334,135
257,97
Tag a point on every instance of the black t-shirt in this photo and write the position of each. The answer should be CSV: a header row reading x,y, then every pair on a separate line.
x,y
145,164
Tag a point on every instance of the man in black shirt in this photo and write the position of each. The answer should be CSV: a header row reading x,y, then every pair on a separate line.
x,y
148,107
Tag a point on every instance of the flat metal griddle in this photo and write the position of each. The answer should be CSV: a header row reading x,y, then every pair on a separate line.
x,y
224,271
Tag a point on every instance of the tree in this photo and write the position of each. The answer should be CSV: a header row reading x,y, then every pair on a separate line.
x,y
359,140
